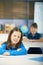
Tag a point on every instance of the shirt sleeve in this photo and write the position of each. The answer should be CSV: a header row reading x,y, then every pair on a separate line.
x,y
29,36
13,52
20,52
3,48
39,36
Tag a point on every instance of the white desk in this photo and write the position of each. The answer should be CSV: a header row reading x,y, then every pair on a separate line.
x,y
20,60
33,44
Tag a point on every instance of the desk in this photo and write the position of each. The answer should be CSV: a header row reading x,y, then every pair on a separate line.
x,y
33,44
20,60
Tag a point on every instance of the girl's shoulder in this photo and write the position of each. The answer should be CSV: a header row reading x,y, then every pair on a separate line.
x,y
22,45
4,43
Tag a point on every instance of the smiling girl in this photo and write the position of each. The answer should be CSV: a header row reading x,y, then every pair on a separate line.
x,y
13,46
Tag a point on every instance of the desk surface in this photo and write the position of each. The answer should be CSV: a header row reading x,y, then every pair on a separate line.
x,y
33,44
20,60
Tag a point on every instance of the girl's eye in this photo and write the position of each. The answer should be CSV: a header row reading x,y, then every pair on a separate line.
x,y
18,36
14,35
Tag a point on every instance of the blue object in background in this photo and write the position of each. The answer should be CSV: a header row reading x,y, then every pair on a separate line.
x,y
24,29
40,59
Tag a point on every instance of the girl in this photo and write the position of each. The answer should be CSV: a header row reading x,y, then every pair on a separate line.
x,y
14,45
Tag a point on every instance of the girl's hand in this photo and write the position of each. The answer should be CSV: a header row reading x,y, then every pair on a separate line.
x,y
6,54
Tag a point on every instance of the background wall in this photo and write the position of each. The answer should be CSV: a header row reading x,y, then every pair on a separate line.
x,y
33,13
38,15
18,22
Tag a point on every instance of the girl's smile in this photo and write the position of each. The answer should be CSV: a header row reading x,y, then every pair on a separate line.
x,y
15,37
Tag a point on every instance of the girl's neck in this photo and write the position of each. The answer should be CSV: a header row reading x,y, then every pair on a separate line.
x,y
13,45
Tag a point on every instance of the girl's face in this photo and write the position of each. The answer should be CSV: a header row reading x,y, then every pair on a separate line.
x,y
15,37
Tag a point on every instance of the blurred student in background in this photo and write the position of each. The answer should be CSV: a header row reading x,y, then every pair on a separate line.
x,y
33,36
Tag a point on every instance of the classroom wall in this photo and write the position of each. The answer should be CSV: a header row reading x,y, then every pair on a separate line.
x,y
38,15
30,21
18,22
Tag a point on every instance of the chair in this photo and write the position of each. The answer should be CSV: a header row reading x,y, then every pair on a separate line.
x,y
34,50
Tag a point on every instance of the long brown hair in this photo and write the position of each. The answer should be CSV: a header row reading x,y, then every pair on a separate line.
x,y
9,38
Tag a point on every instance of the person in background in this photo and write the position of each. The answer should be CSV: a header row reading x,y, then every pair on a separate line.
x,y
13,46
33,36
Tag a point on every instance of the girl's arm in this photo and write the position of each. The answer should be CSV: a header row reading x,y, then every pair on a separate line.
x,y
22,51
3,48
25,39
38,40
